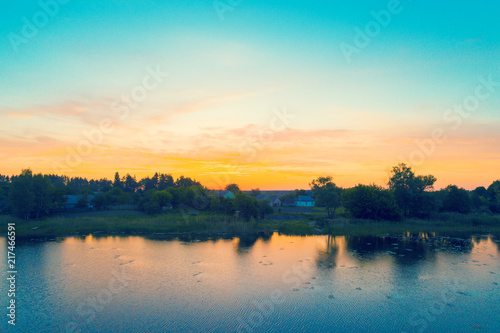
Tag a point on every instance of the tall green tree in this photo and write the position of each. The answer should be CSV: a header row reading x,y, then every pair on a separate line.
x,y
410,191
117,182
255,192
326,194
4,193
233,188
215,204
162,198
21,196
130,183
370,202
457,200
165,181
43,191
185,182
247,206
493,193
265,207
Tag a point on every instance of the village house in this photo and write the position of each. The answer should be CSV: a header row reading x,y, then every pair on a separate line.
x,y
226,194
72,202
305,201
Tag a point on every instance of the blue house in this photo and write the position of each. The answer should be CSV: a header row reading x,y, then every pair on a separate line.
x,y
305,201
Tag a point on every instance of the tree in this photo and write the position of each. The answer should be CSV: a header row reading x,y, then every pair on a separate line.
x,y
82,202
233,188
300,192
187,195
185,182
264,207
4,193
117,183
176,196
255,192
129,184
43,192
102,200
494,196
410,191
162,198
228,206
165,181
481,191
288,196
247,206
214,204
326,194
370,202
457,200
21,196
479,203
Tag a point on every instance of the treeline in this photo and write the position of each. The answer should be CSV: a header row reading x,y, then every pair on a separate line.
x,y
31,195
407,196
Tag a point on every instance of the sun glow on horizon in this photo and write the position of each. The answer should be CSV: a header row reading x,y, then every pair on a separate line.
x,y
271,105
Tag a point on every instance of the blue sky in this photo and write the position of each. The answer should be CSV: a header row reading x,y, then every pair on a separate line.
x,y
227,76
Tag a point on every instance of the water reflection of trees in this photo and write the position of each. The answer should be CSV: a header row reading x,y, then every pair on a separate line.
x,y
247,241
328,258
495,239
407,250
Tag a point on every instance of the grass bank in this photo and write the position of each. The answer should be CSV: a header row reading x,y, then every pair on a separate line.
x,y
440,223
174,222
171,222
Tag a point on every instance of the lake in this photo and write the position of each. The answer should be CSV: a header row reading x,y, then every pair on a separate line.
x,y
258,283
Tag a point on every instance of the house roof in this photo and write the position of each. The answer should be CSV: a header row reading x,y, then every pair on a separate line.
x,y
261,197
71,200
305,198
225,193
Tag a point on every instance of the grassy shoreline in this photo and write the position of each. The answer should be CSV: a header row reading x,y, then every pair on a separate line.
x,y
176,223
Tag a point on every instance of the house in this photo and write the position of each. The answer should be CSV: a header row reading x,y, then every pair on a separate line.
x,y
226,194
305,201
72,201
276,202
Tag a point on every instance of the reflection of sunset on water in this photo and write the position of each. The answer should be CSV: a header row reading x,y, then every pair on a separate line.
x,y
213,280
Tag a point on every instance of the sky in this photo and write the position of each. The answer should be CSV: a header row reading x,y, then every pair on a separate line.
x,y
268,94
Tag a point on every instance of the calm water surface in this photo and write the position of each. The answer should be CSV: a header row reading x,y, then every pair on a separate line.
x,y
258,283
